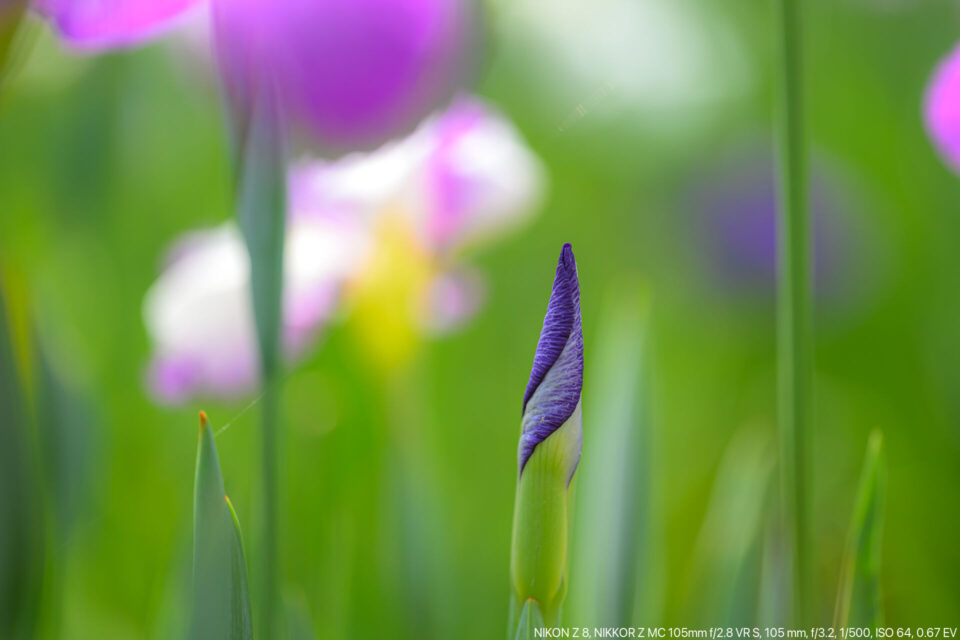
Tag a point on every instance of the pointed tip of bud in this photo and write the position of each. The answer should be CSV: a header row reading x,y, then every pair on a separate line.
x,y
567,264
561,322
203,421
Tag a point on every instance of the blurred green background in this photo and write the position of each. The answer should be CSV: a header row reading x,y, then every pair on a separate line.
x,y
399,487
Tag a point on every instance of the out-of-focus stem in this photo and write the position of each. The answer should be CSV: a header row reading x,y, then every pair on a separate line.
x,y
262,215
269,561
794,325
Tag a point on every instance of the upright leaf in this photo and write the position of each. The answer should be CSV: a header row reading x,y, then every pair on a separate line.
x,y
21,536
67,437
613,555
299,626
728,560
261,212
531,619
12,13
221,604
773,606
858,598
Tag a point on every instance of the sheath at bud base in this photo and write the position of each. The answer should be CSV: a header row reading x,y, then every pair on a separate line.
x,y
539,558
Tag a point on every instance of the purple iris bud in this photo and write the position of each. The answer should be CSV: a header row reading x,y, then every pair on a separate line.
x,y
941,109
556,380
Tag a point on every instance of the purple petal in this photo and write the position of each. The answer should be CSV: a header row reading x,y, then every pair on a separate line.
x,y
105,24
354,72
556,380
942,108
173,379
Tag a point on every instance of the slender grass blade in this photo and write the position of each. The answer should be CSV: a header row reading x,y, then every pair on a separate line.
x,y
858,598
612,558
726,573
21,537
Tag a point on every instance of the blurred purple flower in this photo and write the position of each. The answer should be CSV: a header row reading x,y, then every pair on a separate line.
x,y
353,72
107,24
198,313
941,109
556,380
735,222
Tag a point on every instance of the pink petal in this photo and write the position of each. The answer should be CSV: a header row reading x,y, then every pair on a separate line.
x,y
107,24
942,108
452,299
483,179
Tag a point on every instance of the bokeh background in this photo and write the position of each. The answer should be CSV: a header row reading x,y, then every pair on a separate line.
x,y
653,120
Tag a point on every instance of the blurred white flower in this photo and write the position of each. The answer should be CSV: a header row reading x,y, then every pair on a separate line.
x,y
199,314
663,60
461,178
378,232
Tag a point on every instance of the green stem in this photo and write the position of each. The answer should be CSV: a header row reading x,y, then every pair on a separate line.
x,y
269,561
794,325
262,215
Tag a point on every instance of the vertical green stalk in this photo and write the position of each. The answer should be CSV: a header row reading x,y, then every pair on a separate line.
x,y
859,601
794,333
261,211
269,557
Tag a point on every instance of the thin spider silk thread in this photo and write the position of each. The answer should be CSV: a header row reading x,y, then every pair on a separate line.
x,y
246,409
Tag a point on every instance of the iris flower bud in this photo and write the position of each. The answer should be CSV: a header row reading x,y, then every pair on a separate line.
x,y
549,449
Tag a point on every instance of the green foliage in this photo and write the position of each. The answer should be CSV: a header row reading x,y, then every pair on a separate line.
x,y
221,603
530,620
21,532
726,564
261,212
538,562
11,17
859,602
614,540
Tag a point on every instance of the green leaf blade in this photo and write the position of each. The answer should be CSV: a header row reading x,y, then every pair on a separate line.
x,y
531,619
859,597
613,555
221,603
726,571
21,518
261,213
